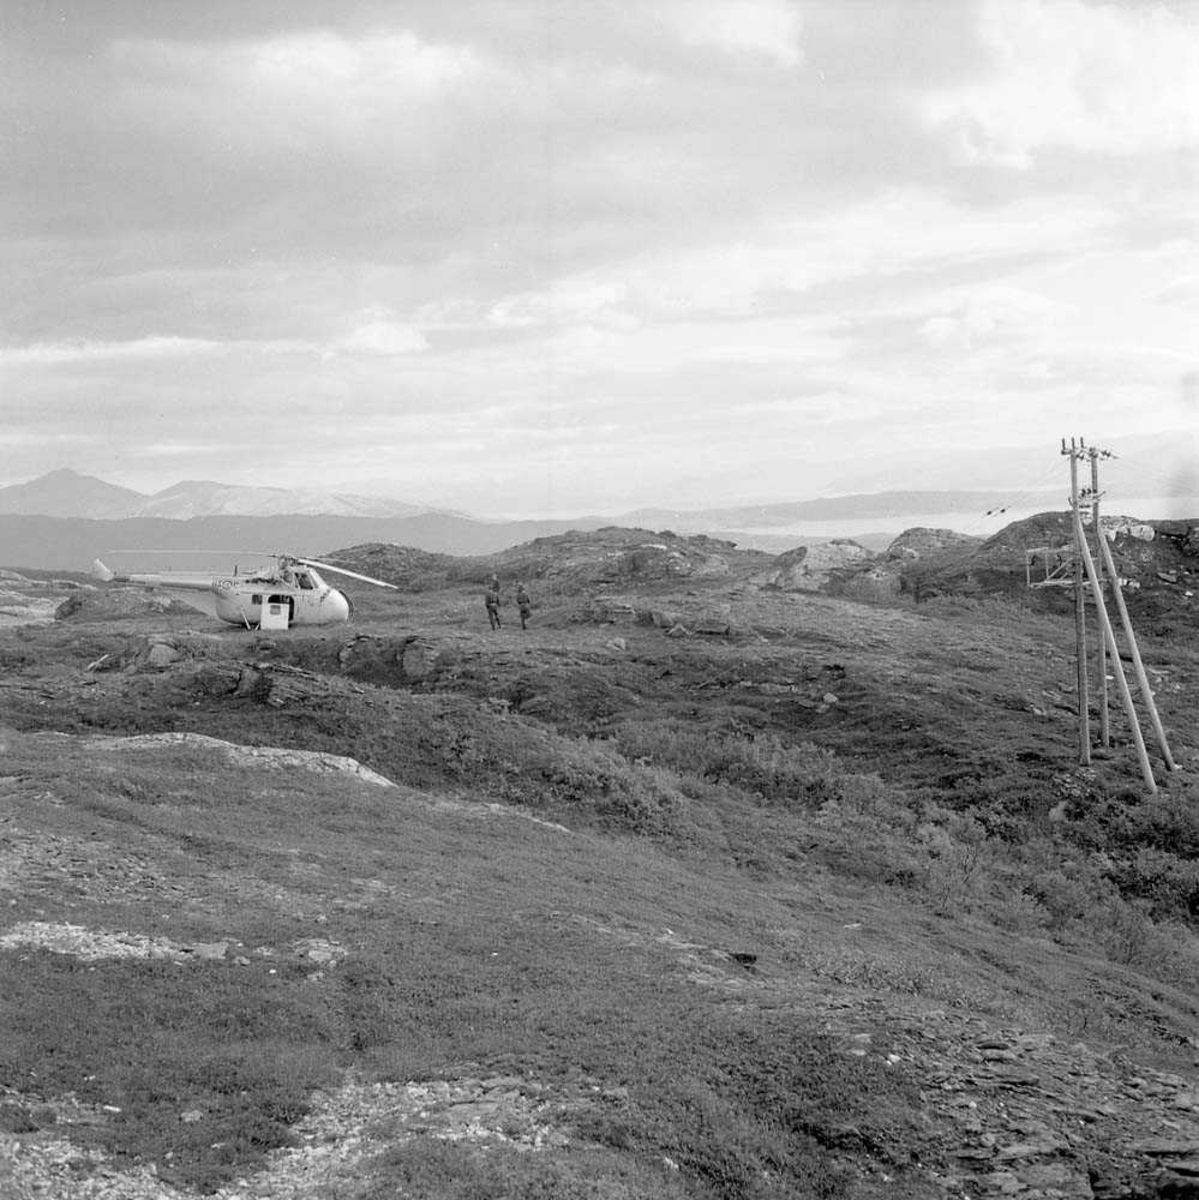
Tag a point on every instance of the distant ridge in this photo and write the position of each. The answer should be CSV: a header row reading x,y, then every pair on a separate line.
x,y
204,498
64,519
70,544
66,493
862,505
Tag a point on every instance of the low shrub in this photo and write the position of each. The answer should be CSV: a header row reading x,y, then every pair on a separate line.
x,y
756,1107
429,1169
1166,884
241,1048
801,776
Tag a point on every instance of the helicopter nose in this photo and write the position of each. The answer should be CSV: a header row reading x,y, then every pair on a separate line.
x,y
339,605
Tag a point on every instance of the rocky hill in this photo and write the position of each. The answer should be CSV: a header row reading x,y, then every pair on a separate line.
x,y
1158,562
577,560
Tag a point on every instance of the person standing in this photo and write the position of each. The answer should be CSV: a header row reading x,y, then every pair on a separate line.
x,y
523,604
492,599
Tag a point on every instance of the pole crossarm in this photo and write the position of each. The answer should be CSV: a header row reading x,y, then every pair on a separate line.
x,y
1050,566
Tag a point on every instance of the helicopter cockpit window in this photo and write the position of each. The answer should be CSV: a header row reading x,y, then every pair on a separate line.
x,y
304,580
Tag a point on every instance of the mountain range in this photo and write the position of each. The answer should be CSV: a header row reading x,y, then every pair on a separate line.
x,y
66,493
63,520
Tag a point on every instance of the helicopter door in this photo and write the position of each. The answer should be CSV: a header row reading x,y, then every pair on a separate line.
x,y
276,613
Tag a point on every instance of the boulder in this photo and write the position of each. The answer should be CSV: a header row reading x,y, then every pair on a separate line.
x,y
606,610
418,660
807,568
161,651
920,542
870,582
663,618
1118,527
107,603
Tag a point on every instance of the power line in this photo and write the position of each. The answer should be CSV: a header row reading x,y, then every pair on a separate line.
x,y
1029,491
1013,500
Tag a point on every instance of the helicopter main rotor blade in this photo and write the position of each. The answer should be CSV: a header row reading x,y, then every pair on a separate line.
x,y
324,566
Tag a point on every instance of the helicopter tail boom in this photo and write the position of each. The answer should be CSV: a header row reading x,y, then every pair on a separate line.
x,y
192,583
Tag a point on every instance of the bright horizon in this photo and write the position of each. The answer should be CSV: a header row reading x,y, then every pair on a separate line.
x,y
1119,498
517,258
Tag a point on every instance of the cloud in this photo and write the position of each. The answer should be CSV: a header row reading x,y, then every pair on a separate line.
x,y
380,334
293,89
965,318
762,30
903,232
51,354
1068,75
571,301
577,238
377,333
1182,292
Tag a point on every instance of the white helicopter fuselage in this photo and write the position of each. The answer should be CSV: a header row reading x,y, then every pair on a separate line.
x,y
274,600
304,600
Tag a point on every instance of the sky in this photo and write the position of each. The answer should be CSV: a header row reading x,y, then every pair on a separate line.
x,y
552,257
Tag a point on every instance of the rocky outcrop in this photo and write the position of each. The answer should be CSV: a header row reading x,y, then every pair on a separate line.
x,y
882,578
274,757
1156,559
809,568
578,560
920,542
619,556
106,604
25,601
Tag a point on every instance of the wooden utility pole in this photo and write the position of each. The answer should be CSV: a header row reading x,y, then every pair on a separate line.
x,y
1095,572
1080,616
1135,653
1105,733
1114,650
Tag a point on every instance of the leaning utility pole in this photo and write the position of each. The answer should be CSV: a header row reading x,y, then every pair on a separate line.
x,y
1135,653
1080,618
1087,563
1105,733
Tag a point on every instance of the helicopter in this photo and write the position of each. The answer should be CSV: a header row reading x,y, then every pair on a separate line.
x,y
289,593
